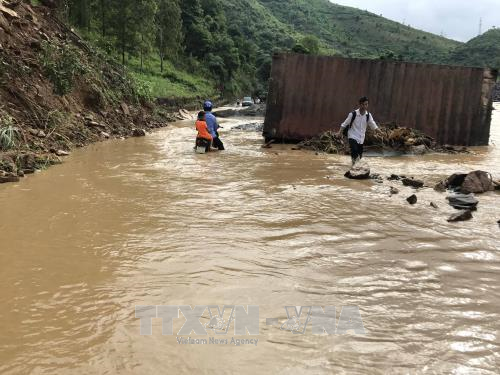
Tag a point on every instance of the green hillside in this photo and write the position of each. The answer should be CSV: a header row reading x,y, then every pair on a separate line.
x,y
483,50
342,30
207,48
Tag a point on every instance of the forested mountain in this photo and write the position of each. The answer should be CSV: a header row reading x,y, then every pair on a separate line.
x,y
175,46
357,33
483,50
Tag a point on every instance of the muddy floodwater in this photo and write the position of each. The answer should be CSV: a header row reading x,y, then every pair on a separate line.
x,y
146,221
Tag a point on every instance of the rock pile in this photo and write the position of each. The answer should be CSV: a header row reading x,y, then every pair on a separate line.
x,y
474,182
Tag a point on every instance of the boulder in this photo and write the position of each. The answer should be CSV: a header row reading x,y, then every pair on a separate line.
x,y
474,182
413,183
462,201
358,171
477,182
412,199
434,205
138,133
455,180
460,216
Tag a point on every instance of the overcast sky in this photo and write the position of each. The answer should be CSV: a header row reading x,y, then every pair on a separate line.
x,y
456,19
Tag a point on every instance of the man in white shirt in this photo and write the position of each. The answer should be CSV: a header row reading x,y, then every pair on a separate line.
x,y
357,128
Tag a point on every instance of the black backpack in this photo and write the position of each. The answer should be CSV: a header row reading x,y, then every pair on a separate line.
x,y
346,129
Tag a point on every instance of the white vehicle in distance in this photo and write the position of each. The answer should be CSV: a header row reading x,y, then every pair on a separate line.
x,y
247,101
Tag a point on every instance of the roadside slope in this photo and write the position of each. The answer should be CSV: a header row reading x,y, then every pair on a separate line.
x,y
57,93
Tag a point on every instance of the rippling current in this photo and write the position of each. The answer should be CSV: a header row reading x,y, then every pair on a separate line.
x,y
146,221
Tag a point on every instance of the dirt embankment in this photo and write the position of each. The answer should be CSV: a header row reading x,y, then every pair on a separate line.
x,y
57,93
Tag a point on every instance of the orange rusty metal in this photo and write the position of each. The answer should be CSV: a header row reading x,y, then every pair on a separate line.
x,y
311,94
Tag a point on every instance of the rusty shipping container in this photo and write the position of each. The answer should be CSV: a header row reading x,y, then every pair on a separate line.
x,y
312,94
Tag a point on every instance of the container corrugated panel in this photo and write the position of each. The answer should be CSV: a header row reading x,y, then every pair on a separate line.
x,y
311,94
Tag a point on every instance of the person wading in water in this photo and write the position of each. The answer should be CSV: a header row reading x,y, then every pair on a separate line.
x,y
213,126
354,127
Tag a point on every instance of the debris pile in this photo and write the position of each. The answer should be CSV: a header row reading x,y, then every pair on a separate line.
x,y
406,140
400,139
392,137
329,142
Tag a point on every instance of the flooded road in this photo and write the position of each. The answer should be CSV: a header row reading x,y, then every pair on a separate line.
x,y
148,222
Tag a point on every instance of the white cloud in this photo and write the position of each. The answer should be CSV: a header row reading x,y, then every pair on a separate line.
x,y
456,19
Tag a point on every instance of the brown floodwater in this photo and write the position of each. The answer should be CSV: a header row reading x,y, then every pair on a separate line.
x,y
146,221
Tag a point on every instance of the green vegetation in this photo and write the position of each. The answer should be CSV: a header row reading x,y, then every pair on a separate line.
x,y
8,133
207,48
355,33
483,50
61,65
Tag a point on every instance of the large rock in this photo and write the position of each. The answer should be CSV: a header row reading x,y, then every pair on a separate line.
x,y
455,180
477,182
138,133
473,182
412,182
358,171
462,201
412,199
460,216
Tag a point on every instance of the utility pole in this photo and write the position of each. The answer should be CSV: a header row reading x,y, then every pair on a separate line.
x,y
480,26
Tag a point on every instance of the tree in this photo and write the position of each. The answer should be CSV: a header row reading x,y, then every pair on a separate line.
x,y
169,29
198,39
311,43
144,12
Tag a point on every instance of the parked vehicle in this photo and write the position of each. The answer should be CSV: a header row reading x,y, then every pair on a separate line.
x,y
247,101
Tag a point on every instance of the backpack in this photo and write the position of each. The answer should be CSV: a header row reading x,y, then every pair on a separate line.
x,y
346,129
